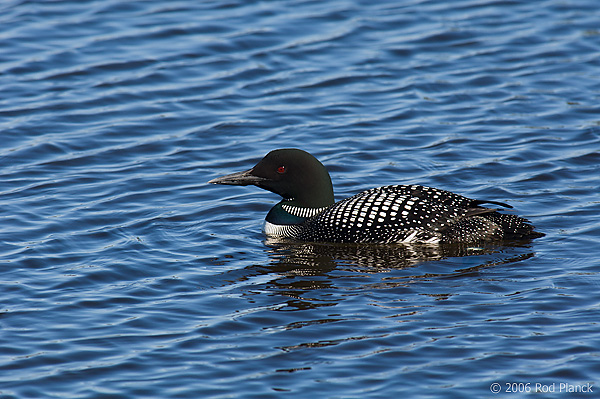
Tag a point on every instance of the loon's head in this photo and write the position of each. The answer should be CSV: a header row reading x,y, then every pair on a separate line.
x,y
294,174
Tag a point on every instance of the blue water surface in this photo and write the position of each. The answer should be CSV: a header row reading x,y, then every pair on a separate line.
x,y
125,275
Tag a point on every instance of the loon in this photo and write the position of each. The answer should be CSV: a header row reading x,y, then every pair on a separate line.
x,y
383,215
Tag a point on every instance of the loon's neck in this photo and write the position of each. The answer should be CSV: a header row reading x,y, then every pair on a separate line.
x,y
288,213
285,219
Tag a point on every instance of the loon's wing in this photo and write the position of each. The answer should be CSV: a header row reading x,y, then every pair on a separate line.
x,y
391,214
414,213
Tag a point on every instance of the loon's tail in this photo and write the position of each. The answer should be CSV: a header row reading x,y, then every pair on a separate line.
x,y
513,227
484,224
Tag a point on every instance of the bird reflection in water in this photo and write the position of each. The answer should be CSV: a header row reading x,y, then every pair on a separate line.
x,y
304,270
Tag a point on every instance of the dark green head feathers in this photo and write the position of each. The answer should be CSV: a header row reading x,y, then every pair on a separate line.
x,y
294,174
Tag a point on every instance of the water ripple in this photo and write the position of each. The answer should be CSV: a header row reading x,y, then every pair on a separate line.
x,y
121,265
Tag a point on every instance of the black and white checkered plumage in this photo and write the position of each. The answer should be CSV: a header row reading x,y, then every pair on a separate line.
x,y
389,214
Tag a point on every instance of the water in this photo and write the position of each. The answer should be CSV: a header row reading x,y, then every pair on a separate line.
x,y
125,275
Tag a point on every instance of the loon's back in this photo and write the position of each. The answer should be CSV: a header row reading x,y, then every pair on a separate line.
x,y
412,213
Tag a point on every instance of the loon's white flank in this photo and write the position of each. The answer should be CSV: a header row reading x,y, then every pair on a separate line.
x,y
278,230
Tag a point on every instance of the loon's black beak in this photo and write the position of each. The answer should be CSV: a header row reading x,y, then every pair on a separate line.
x,y
245,178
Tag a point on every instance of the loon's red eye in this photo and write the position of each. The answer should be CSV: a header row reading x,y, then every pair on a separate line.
x,y
281,169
